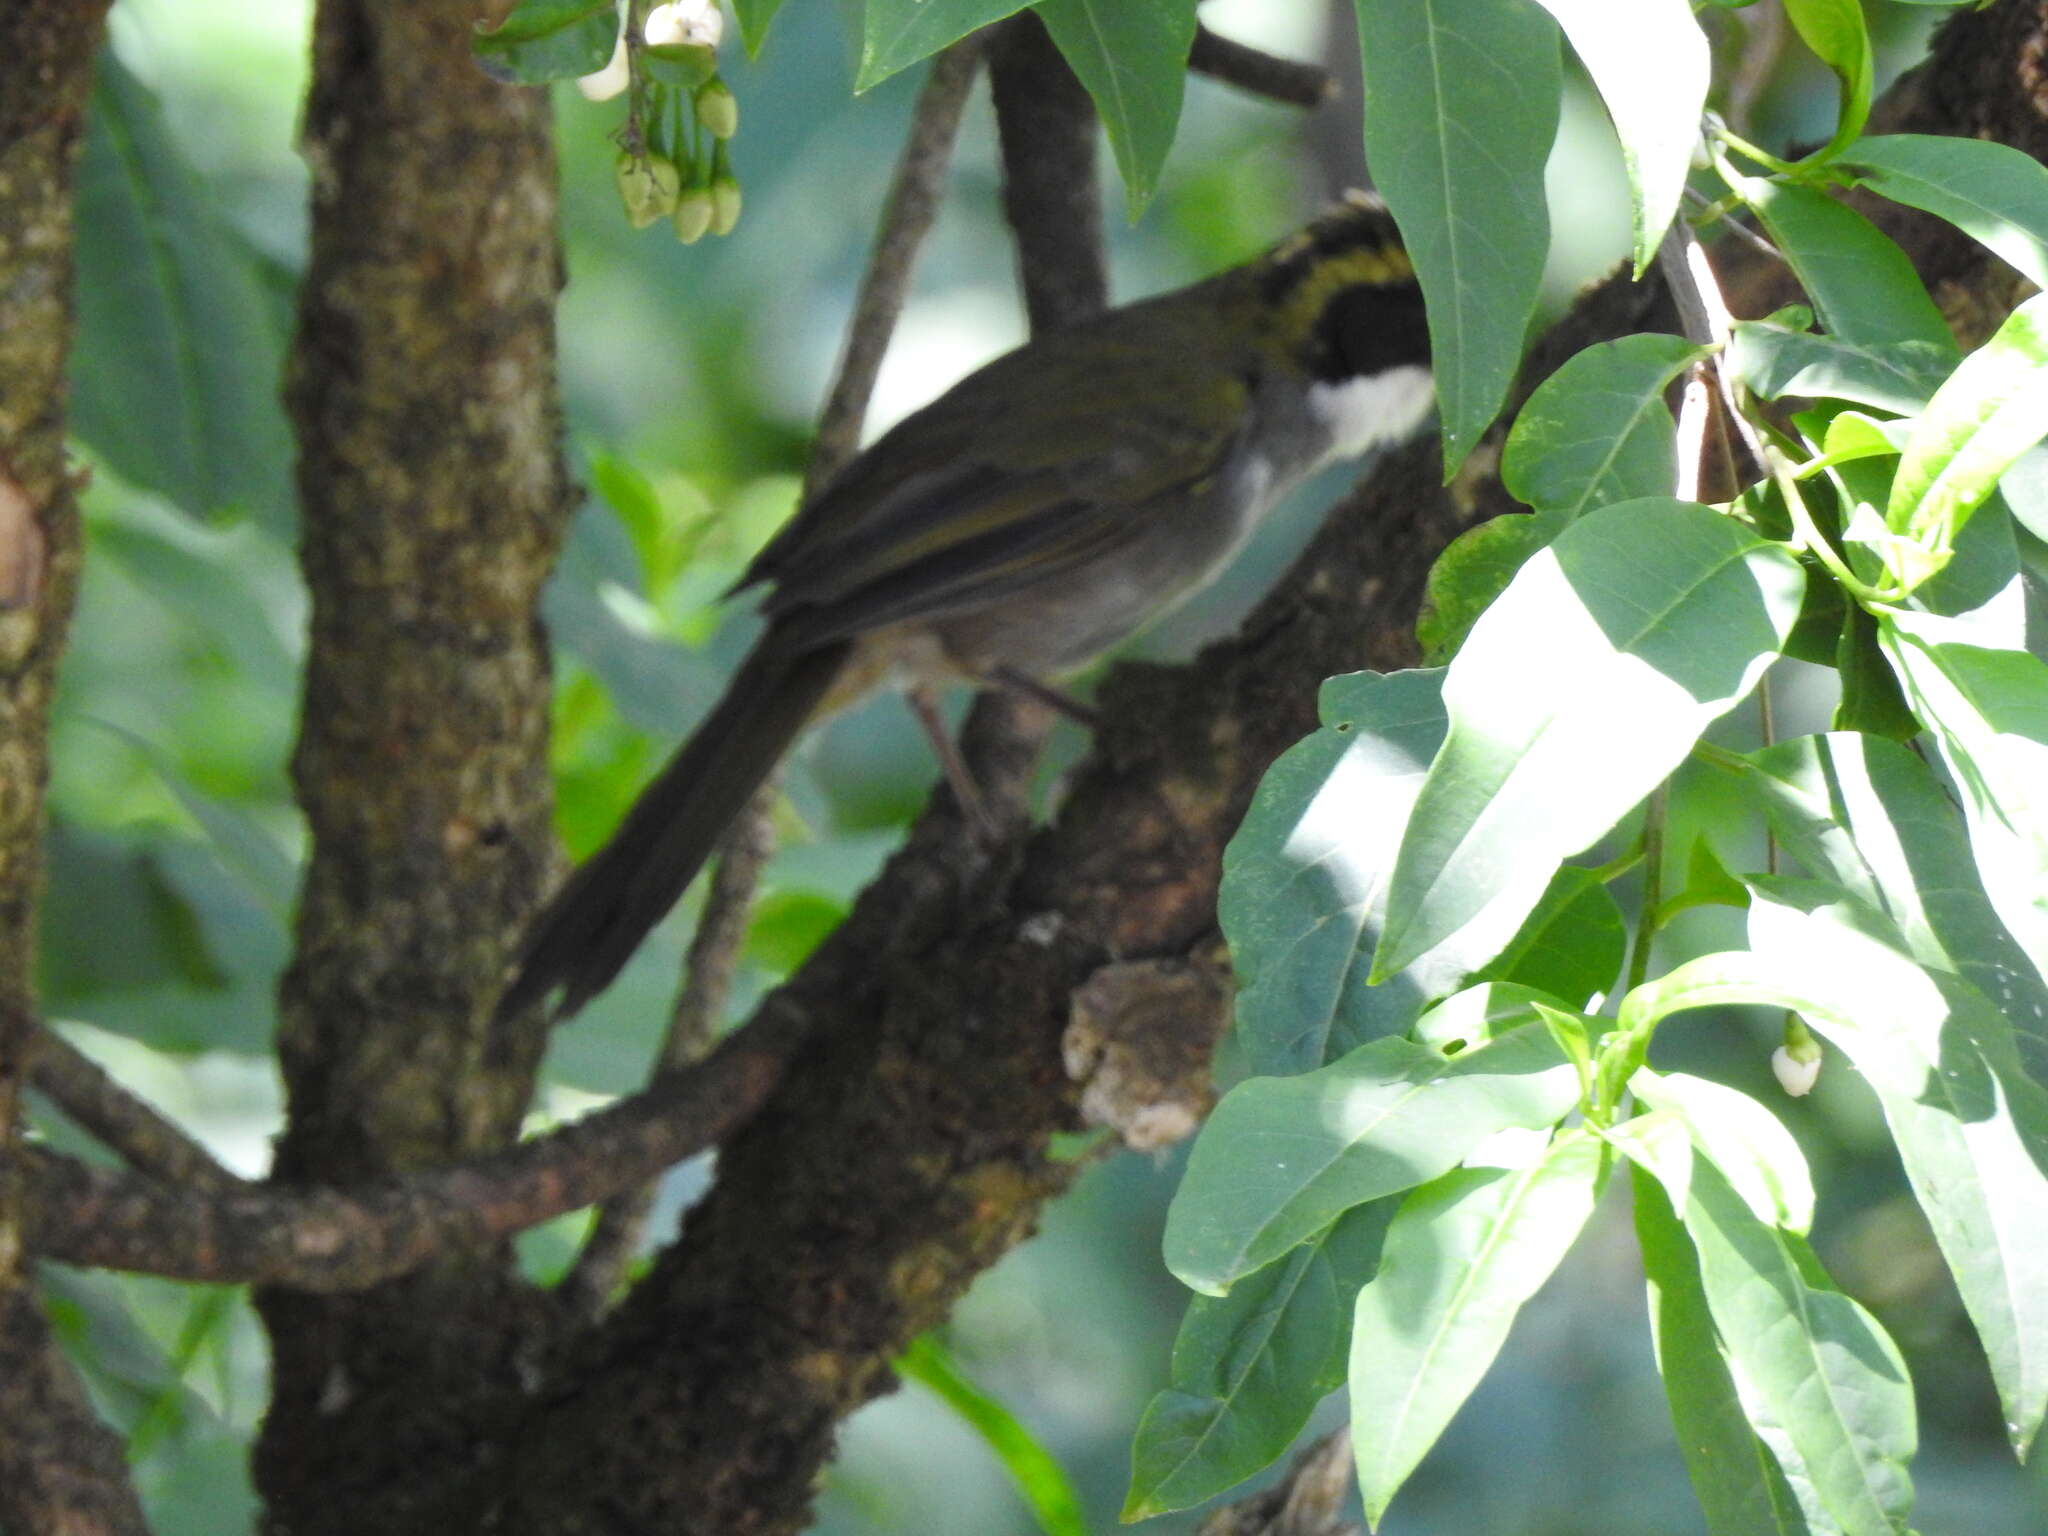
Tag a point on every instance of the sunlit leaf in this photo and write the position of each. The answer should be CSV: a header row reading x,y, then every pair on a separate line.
x,y
1656,112
1581,688
1994,193
1283,1157
1462,1256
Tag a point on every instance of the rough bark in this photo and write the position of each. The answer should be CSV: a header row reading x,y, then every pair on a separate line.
x,y
61,1470
421,388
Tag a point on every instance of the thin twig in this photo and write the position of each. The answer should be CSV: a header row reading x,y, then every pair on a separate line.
x,y
324,1239
1291,82
906,220
126,1124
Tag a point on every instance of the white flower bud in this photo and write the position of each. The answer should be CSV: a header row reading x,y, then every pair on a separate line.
x,y
684,21
612,79
1796,1074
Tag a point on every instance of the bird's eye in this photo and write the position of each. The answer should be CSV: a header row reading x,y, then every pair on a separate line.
x,y
1370,328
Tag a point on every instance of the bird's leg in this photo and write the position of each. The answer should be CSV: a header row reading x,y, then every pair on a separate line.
x,y
1053,698
925,705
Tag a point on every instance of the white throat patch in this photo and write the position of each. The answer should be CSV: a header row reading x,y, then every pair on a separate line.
x,y
1377,408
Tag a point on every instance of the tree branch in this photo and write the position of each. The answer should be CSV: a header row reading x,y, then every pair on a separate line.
x,y
61,1470
329,1239
133,1129
1290,82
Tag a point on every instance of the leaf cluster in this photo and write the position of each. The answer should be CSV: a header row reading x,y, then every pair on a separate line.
x,y
1450,1023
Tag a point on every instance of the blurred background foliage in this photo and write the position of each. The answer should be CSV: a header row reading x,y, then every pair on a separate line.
x,y
690,376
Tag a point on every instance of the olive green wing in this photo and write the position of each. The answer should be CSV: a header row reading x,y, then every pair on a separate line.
x,y
990,489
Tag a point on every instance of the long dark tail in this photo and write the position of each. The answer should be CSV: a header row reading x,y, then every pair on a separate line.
x,y
603,911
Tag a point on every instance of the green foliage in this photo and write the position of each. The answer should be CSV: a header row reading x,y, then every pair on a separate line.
x,y
1461,105
543,40
181,323
1590,648
1032,1468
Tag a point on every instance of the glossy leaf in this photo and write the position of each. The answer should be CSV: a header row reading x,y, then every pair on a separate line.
x,y
1777,360
1821,1375
1835,31
1656,112
1283,1157
1863,287
1988,710
1992,192
1742,1138
1572,945
181,325
1970,1124
543,40
897,33
1597,431
1474,569
1581,688
1250,1367
1461,107
1132,55
1993,408
1460,1259
1741,1490
1304,880
1870,816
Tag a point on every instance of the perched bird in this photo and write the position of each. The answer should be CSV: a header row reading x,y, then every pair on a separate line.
x,y
1026,520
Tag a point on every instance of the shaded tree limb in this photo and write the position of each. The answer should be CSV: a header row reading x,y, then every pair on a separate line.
x,y
133,1129
1291,82
339,1239
61,1470
421,391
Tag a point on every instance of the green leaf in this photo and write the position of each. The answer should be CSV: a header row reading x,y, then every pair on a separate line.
x,y
1994,193
1870,816
897,33
1304,880
1461,107
1864,288
1572,945
1988,710
1871,700
181,324
1597,431
1581,688
1970,1124
1474,569
244,848
1250,1367
1132,55
543,40
1283,1157
1993,408
1460,1259
1777,361
1825,1387
1037,1473
1835,31
753,17
1656,112
1742,1138
1741,1490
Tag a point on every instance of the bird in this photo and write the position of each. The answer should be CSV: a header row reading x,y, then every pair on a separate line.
x,y
1026,520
